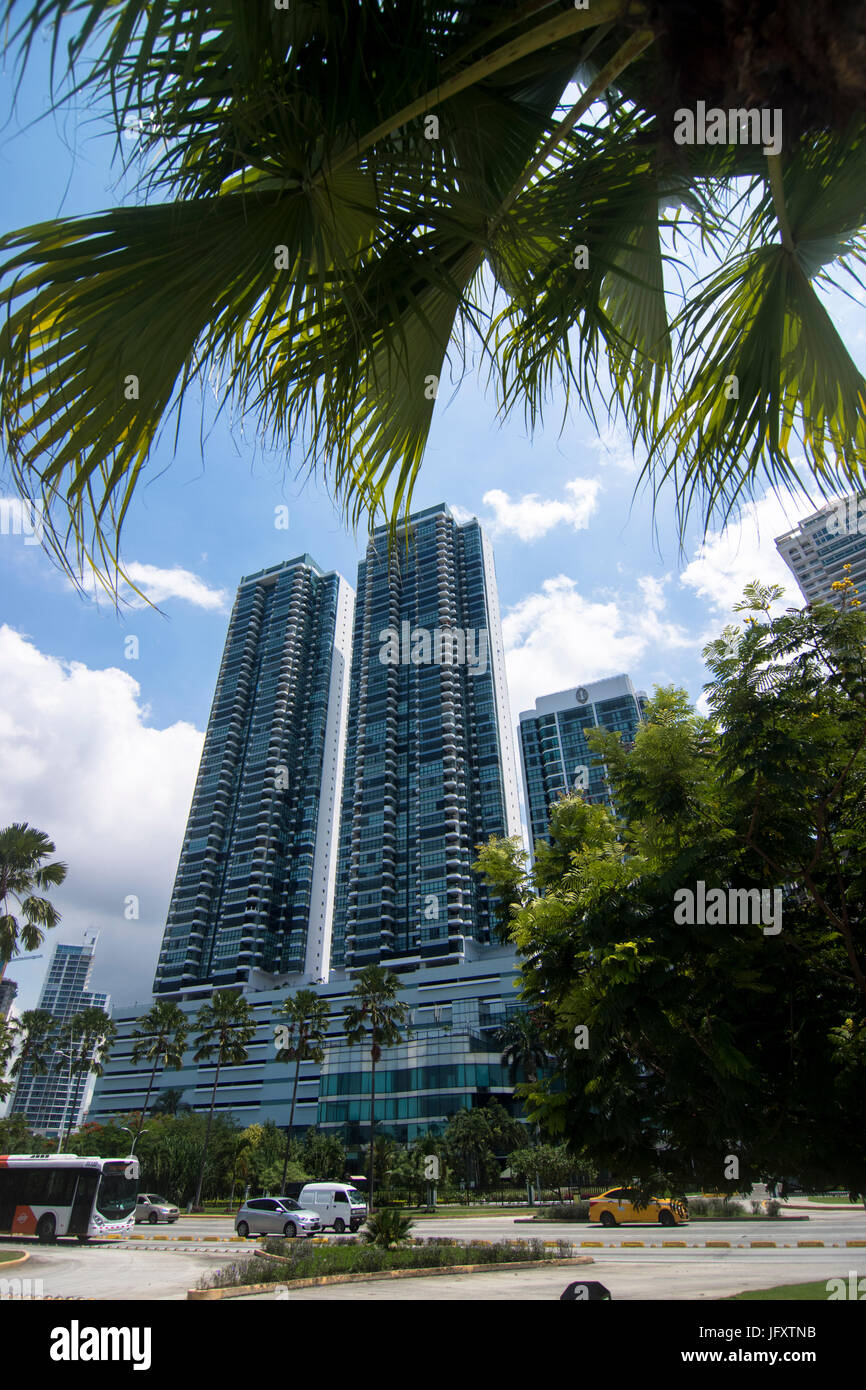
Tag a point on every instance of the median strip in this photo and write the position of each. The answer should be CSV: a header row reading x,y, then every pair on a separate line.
x,y
209,1295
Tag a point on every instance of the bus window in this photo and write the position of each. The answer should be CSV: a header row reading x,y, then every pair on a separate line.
x,y
117,1193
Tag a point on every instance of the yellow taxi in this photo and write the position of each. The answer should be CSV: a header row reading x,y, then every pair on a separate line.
x,y
616,1208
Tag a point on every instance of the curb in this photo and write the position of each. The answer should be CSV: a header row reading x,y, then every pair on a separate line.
x,y
211,1295
10,1264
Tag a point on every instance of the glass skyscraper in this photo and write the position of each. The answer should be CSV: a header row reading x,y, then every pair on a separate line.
x,y
254,888
58,1097
554,754
430,769
822,544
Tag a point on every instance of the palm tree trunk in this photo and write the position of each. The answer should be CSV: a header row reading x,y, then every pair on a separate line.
x,y
197,1202
291,1126
146,1101
371,1179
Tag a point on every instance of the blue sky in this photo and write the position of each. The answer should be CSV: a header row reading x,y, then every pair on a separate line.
x,y
101,751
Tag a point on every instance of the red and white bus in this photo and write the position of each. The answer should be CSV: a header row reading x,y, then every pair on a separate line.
x,y
51,1195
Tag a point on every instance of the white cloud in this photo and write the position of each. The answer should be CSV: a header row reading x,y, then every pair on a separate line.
x,y
81,763
157,585
530,517
614,449
730,559
556,638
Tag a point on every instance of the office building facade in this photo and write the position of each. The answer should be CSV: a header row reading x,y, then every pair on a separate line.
x,y
254,888
817,550
57,1099
450,1060
430,770
555,757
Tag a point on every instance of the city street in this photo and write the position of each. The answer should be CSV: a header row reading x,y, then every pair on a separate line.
x,y
163,1262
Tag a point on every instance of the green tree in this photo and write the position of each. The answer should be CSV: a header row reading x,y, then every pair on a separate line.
x,y
169,1102
82,1047
503,863
34,1034
7,1048
223,1027
477,1140
17,1137
299,1039
323,1155
335,231
546,1164
375,1020
160,1038
680,1043
522,1046
25,916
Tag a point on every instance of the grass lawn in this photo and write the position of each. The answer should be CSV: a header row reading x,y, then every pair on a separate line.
x,y
830,1201
10,1255
794,1293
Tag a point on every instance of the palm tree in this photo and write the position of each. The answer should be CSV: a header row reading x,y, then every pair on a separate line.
x,y
224,1027
304,1032
329,224
34,1038
376,1019
170,1102
522,1047
7,1048
160,1036
23,871
83,1044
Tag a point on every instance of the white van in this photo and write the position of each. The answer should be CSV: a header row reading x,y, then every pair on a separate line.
x,y
336,1204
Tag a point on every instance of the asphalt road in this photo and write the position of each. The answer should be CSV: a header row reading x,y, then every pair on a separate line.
x,y
151,1268
831,1226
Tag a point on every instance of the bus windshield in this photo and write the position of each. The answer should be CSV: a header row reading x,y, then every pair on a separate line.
x,y
117,1193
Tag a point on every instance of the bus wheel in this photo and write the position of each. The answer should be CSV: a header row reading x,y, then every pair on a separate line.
x,y
46,1229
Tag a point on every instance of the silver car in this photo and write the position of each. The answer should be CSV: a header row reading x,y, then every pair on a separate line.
x,y
153,1208
275,1216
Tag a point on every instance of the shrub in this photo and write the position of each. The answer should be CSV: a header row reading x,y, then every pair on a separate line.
x,y
301,1260
565,1211
387,1228
716,1208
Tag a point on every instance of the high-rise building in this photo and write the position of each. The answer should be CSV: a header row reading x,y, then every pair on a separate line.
x,y
554,755
430,769
57,1099
8,991
254,888
817,549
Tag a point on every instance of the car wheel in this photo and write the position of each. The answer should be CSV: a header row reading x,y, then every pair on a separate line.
x,y
153,1219
290,1230
666,1218
608,1219
46,1229
242,1229
339,1226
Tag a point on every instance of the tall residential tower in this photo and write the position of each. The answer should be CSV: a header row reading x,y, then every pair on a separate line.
x,y
430,769
55,1100
554,754
822,544
254,889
